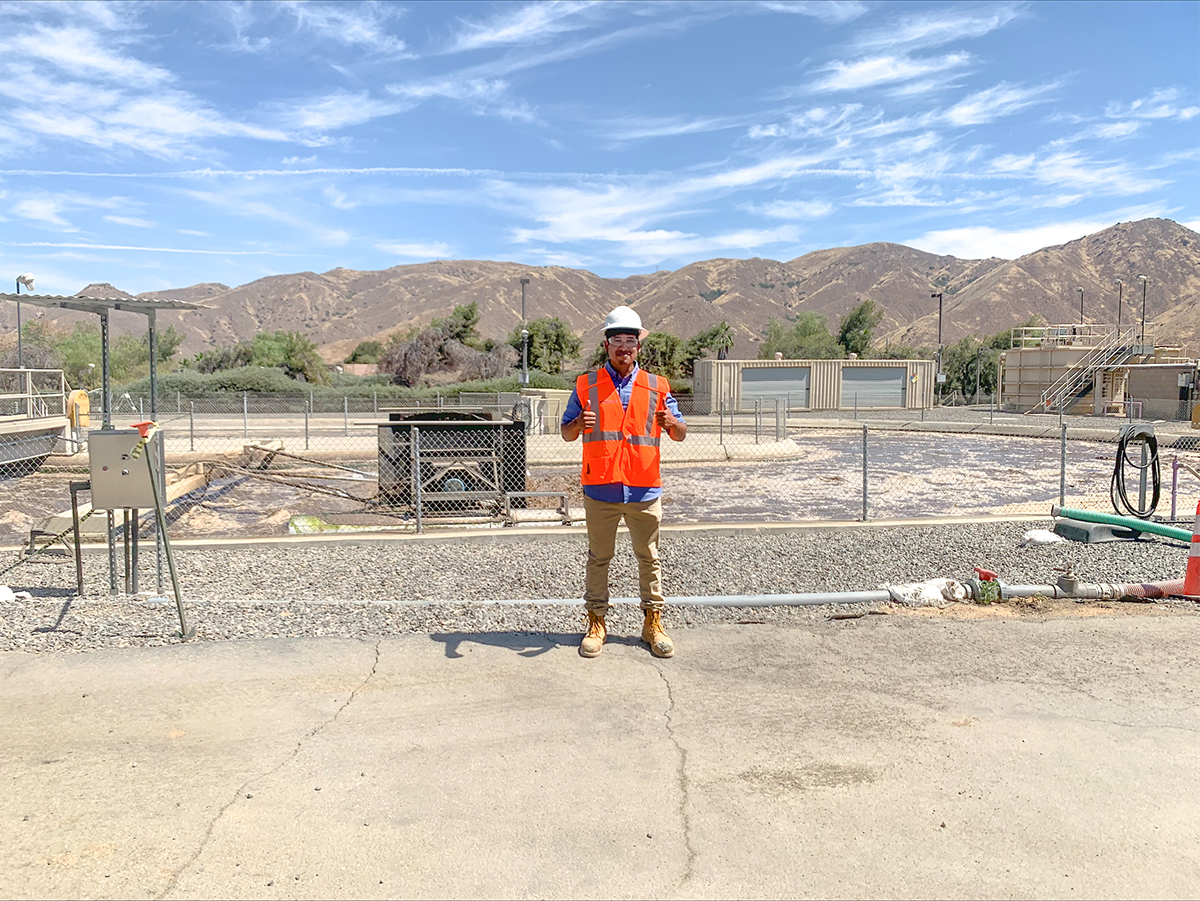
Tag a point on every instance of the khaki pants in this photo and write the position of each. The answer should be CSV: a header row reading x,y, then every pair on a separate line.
x,y
643,521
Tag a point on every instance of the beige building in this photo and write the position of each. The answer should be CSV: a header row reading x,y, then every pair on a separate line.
x,y
1097,370
813,384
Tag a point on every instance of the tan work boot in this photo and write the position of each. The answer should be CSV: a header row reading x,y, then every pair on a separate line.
x,y
653,635
593,641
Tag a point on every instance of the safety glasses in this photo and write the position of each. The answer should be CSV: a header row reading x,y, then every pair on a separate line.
x,y
623,341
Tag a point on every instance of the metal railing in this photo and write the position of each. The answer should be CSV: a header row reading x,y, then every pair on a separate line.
x,y
32,393
1112,348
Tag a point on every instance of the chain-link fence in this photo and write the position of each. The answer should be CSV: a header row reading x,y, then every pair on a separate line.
x,y
258,464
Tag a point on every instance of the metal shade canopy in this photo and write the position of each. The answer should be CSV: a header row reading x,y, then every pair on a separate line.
x,y
102,306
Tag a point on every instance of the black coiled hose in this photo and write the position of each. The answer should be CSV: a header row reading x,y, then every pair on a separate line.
x,y
1131,435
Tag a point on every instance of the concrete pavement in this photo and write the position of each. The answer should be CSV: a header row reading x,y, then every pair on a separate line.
x,y
904,755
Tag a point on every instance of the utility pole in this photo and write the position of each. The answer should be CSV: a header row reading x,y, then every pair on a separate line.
x,y
1080,290
27,281
1145,281
940,376
524,338
1120,287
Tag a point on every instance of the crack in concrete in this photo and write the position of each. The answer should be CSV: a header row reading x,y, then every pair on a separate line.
x,y
241,789
682,779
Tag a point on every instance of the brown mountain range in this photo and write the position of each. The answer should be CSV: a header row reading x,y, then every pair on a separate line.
x,y
339,308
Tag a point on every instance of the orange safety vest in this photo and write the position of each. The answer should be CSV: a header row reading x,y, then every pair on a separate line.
x,y
623,447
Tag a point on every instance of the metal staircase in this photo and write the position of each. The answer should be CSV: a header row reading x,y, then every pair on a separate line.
x,y
1073,384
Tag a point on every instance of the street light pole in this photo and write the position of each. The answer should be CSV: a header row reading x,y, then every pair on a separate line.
x,y
524,338
1080,290
978,357
1145,281
939,350
27,281
1120,286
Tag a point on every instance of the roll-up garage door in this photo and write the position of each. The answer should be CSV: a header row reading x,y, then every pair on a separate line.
x,y
788,383
875,386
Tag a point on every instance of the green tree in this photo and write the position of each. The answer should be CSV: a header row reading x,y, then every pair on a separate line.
x,y
129,355
551,342
966,360
460,324
718,338
289,351
366,352
663,354
857,327
807,338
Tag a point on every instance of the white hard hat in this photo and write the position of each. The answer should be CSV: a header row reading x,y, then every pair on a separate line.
x,y
625,317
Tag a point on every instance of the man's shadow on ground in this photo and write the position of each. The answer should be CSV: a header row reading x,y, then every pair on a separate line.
x,y
526,644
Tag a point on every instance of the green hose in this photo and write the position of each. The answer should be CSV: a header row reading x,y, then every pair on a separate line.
x,y
1128,522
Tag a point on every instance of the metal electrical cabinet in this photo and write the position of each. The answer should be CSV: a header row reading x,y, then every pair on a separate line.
x,y
465,458
118,480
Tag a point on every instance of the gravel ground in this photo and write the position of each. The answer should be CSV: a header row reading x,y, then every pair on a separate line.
x,y
432,586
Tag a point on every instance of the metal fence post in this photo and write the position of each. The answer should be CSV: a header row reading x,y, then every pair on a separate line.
x,y
992,409
306,427
375,402
416,470
245,414
142,407
757,417
1062,467
856,406
864,468
1142,477
1174,482
345,415
780,422
191,425
178,402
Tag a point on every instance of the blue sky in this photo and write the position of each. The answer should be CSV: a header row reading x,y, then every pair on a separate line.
x,y
156,145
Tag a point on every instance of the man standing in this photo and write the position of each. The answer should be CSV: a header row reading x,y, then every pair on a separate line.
x,y
621,410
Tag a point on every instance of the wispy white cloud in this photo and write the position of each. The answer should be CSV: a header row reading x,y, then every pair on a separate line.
x,y
877,70
44,210
939,26
1076,171
276,26
1000,100
192,231
484,95
49,209
527,24
1103,131
335,111
637,128
836,11
86,246
426,250
982,241
131,221
364,25
84,53
1161,104
791,209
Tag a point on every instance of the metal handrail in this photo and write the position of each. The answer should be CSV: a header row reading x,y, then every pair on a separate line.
x,y
1101,356
35,402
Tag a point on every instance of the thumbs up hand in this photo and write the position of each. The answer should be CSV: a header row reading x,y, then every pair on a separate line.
x,y
589,417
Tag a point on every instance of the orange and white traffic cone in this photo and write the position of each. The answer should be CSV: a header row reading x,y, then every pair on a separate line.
x,y
1191,581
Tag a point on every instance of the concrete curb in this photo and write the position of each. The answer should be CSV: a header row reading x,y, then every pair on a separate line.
x,y
502,535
